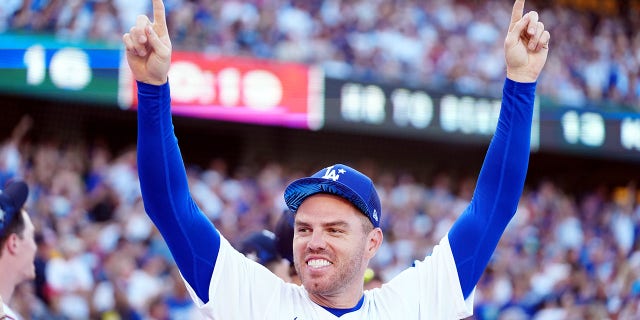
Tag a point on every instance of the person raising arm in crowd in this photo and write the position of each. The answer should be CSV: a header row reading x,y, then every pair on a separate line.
x,y
336,211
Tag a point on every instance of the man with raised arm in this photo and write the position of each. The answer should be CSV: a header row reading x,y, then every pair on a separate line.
x,y
337,210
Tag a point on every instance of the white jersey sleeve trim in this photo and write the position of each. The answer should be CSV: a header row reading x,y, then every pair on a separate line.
x,y
466,308
428,290
239,288
441,289
444,280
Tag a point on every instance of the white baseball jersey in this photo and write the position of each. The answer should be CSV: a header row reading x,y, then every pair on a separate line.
x,y
243,289
10,313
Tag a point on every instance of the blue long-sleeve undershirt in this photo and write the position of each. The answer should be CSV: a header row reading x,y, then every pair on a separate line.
x,y
475,234
193,240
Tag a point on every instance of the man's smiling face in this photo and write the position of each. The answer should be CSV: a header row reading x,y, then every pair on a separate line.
x,y
332,245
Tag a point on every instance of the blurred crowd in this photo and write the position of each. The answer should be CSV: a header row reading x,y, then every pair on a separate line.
x,y
594,59
564,256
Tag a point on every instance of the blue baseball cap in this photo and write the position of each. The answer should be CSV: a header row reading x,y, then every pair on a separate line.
x,y
12,199
261,247
339,180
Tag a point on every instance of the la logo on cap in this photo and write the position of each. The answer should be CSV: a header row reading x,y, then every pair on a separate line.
x,y
331,173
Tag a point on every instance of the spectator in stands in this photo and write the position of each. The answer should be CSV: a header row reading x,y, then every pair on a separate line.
x,y
11,158
17,242
260,247
284,242
70,279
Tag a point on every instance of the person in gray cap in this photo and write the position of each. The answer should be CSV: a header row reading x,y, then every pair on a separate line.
x,y
17,243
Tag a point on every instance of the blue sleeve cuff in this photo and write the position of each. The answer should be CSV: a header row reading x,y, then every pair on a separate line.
x,y
151,89
520,87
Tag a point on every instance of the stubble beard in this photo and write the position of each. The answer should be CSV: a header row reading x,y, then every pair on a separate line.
x,y
344,275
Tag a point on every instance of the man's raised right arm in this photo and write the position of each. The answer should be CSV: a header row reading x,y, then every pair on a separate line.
x,y
192,238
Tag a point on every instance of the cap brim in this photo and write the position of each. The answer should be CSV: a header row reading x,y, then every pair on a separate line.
x,y
301,189
17,193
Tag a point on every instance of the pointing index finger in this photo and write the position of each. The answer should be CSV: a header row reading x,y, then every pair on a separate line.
x,y
516,14
159,18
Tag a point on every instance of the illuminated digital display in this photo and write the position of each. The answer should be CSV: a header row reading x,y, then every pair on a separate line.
x,y
242,90
45,68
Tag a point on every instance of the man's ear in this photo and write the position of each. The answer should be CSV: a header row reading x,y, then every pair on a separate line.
x,y
12,244
374,240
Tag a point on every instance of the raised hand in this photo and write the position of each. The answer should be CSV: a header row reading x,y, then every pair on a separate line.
x,y
526,46
149,48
